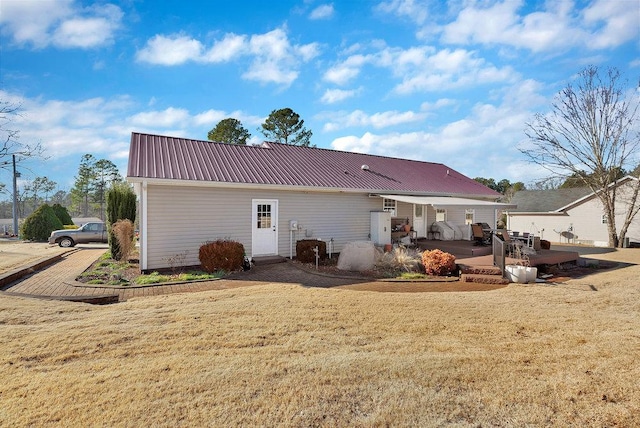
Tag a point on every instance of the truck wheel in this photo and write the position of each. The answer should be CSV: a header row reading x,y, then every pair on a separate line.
x,y
66,242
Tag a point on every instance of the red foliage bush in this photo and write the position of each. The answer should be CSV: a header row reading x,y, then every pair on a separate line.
x,y
437,262
221,255
305,253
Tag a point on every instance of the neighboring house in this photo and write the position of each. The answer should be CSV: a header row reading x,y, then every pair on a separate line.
x,y
6,226
570,215
269,196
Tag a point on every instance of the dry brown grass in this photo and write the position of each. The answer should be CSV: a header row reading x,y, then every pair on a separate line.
x,y
278,354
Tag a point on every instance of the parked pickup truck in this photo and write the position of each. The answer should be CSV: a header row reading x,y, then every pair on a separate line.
x,y
90,232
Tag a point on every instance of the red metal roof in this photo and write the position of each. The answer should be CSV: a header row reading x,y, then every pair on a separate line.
x,y
170,158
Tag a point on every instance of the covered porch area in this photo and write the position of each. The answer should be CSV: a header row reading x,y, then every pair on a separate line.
x,y
445,218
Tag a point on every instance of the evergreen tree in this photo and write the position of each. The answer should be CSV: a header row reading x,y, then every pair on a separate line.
x,y
62,214
285,126
121,205
229,131
83,186
39,225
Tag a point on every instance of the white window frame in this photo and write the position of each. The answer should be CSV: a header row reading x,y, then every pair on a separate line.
x,y
390,205
441,214
603,219
468,220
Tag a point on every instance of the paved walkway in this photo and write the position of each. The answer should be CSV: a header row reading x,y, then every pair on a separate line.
x,y
57,281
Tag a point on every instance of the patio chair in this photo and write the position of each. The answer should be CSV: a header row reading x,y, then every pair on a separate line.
x,y
513,248
479,236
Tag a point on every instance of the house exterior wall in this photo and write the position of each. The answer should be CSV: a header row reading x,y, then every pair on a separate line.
x,y
585,220
547,227
182,218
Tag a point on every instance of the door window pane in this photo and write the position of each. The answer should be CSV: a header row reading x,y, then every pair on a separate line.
x,y
264,216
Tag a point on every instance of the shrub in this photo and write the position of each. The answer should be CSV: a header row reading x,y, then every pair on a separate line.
x,y
437,262
123,232
39,225
121,205
62,214
305,253
221,255
400,259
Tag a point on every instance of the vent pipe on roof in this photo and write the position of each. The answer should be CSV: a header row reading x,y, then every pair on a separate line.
x,y
365,167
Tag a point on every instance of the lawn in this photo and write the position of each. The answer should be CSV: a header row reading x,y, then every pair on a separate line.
x,y
282,354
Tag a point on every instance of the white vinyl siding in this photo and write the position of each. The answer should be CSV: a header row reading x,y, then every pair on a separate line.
x,y
181,219
584,221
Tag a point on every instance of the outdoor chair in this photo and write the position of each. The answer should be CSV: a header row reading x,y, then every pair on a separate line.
x,y
479,236
513,248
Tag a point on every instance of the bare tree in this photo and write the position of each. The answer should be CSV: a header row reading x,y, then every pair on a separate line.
x,y
9,137
591,134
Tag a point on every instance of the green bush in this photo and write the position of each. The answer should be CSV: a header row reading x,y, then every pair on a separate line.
x,y
39,225
121,205
221,255
62,214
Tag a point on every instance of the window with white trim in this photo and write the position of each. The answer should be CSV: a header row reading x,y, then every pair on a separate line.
x,y
441,214
417,210
604,219
389,205
469,215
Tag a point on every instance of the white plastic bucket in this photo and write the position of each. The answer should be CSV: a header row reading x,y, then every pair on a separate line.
x,y
516,273
531,274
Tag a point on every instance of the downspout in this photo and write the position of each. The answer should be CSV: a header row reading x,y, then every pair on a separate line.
x,y
143,226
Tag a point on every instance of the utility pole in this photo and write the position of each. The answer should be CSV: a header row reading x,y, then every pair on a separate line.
x,y
15,197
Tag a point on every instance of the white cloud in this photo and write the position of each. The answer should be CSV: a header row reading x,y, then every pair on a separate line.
x,y
170,50
324,11
441,103
210,118
275,59
416,11
62,23
423,68
332,96
476,144
448,69
227,49
342,73
358,118
163,119
603,24
618,23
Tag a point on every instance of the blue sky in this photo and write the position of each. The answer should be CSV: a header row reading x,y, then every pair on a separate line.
x,y
444,82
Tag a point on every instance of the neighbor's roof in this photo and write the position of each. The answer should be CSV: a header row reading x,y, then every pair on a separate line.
x,y
169,158
547,200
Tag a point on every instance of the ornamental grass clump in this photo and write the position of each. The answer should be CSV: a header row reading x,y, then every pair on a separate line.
x,y
123,232
399,260
437,262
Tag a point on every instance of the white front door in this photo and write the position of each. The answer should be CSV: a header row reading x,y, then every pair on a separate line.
x,y
264,236
419,221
